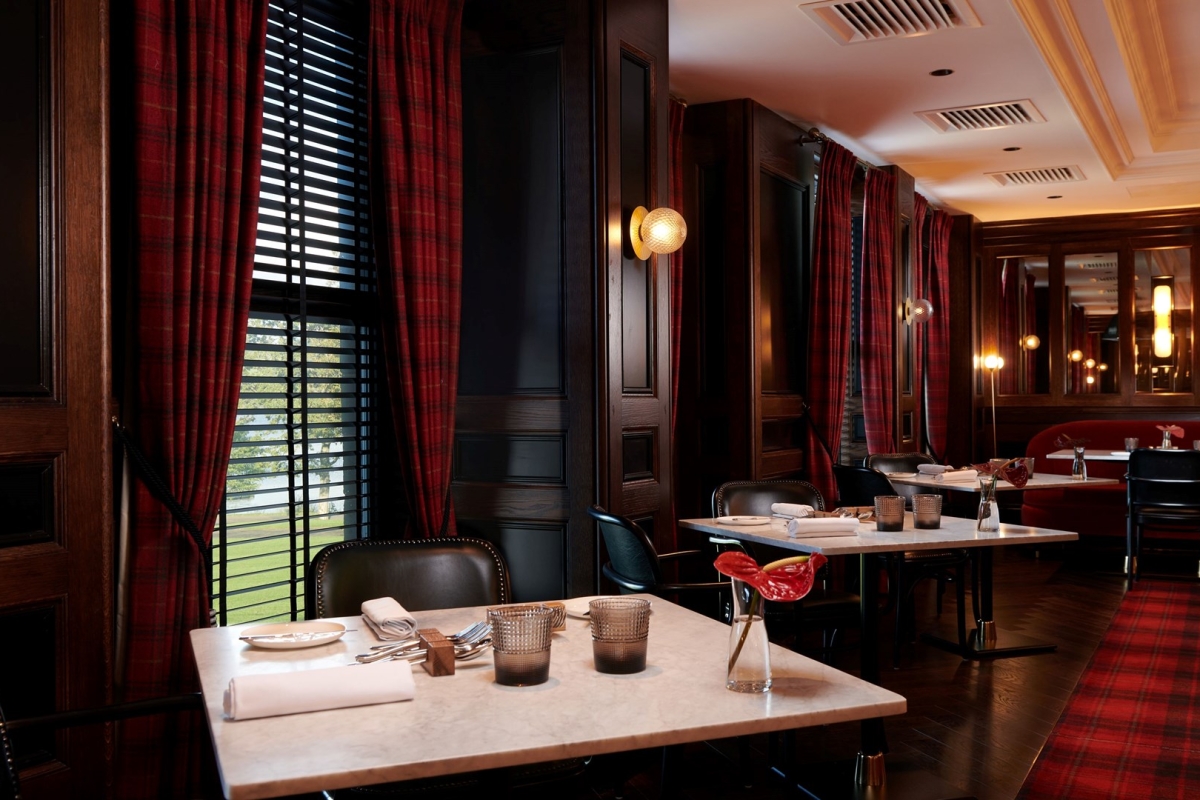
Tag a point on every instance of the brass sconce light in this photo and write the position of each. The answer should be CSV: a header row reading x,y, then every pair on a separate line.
x,y
659,231
1163,304
992,363
1030,342
1075,355
917,311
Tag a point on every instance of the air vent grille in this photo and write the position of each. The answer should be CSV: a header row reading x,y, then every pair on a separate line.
x,y
983,117
1099,265
854,21
1031,177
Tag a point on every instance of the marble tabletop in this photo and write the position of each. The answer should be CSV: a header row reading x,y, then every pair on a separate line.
x,y
954,532
1091,455
467,722
1038,481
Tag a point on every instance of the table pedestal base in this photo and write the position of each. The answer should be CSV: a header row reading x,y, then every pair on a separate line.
x,y
991,643
836,781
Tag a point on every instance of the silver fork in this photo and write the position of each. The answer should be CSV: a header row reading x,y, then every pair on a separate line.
x,y
467,634
464,652
464,638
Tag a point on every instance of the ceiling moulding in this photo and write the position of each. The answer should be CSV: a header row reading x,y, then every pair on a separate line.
x,y
1031,177
856,21
983,117
1140,30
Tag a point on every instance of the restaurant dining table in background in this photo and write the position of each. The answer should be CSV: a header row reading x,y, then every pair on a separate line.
x,y
985,640
1037,481
466,722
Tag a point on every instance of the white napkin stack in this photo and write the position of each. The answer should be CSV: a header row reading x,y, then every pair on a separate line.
x,y
388,619
958,476
792,510
254,696
824,526
933,469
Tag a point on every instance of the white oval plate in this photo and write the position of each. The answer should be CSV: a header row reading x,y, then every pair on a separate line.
x,y
293,635
578,608
744,520
902,474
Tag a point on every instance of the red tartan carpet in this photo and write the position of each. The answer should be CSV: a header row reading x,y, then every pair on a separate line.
x,y
1131,730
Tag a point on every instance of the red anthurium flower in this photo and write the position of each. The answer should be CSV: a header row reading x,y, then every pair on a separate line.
x,y
783,584
1174,430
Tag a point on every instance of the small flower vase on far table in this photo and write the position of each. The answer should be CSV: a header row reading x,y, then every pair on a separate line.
x,y
1166,444
988,518
1079,465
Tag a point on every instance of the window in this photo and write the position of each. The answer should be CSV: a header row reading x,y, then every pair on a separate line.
x,y
302,467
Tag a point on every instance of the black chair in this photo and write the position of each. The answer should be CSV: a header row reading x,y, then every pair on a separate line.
x,y
636,567
10,785
829,610
421,574
899,462
858,486
1163,491
424,574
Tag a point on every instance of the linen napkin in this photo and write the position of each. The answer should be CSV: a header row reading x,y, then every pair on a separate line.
x,y
933,469
388,619
825,526
255,696
792,510
958,476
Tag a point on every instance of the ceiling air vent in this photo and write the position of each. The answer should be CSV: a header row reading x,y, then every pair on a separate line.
x,y
853,21
1031,177
985,117
1099,265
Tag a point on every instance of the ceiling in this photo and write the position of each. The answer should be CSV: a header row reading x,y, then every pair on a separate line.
x,y
1117,83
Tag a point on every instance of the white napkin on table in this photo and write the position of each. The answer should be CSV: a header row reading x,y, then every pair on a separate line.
x,y
824,526
958,476
254,696
388,619
793,510
933,469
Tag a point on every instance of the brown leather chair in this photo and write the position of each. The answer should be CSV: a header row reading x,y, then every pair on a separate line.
x,y
899,462
420,574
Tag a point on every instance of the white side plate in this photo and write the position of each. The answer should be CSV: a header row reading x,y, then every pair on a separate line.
x,y
293,635
744,520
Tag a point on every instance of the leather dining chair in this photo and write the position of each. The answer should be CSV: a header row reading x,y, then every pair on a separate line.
x,y
824,608
899,462
636,567
1163,491
424,574
858,486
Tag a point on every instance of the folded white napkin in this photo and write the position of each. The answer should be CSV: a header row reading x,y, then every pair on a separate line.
x,y
254,696
824,526
958,476
791,510
933,469
388,618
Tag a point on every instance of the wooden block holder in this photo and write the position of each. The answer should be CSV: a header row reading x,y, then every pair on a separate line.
x,y
439,652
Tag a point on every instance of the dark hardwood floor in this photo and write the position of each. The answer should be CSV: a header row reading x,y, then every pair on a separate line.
x,y
978,725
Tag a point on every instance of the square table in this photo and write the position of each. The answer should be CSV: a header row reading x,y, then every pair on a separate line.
x,y
467,722
954,533
1039,480
1090,455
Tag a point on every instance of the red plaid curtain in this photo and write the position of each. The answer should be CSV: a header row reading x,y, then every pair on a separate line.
x,y
677,110
415,124
877,312
921,290
196,143
829,334
937,334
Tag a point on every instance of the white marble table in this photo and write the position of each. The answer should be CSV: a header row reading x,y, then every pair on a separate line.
x,y
1090,455
467,722
955,532
1038,481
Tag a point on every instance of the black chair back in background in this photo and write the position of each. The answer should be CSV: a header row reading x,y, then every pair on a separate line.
x,y
899,462
1163,492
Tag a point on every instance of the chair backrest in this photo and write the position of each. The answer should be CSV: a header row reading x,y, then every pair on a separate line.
x,y
420,574
754,498
631,554
899,462
859,486
1169,478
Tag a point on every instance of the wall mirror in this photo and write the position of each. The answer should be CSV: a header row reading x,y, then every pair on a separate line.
x,y
1023,335
1090,324
1163,320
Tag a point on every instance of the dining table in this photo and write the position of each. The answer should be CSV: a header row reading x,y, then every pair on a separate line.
x,y
1090,454
1037,481
465,721
986,640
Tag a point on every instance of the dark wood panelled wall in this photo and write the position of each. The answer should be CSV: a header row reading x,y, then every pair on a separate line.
x,y
564,389
55,476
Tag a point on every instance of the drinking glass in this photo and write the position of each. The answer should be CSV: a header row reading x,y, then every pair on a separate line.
x,y
620,630
521,644
927,511
889,512
1131,444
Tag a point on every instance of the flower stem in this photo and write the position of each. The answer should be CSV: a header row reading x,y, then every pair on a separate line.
x,y
737,651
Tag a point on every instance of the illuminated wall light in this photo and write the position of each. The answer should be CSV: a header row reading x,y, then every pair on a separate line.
x,y
1031,342
1090,363
1162,341
1102,366
1162,302
993,362
1162,299
1091,379
1075,355
659,231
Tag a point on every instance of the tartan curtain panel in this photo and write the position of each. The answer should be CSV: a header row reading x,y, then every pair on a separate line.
x,y
877,312
829,331
415,154
678,109
196,145
937,334
921,290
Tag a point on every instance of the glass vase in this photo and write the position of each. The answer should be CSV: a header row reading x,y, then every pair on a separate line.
x,y
749,665
1079,465
1166,443
988,517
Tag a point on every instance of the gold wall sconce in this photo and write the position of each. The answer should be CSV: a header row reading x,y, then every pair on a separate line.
x,y
917,311
1163,303
659,231
1075,355
1030,342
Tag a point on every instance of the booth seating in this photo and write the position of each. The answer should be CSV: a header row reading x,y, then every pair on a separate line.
x,y
1096,513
